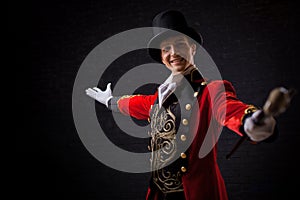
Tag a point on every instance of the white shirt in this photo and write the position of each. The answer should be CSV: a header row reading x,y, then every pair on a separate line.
x,y
170,84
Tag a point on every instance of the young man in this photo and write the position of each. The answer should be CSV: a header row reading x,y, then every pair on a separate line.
x,y
179,116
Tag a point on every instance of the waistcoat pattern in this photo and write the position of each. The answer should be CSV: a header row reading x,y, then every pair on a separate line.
x,y
164,148
166,142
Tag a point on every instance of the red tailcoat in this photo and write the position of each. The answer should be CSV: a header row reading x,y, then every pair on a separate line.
x,y
218,106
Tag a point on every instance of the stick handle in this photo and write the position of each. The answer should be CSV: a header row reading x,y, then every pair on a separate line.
x,y
277,102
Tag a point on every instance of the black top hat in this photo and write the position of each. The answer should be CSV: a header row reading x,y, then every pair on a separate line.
x,y
162,23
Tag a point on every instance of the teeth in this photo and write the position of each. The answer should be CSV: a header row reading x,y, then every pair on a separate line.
x,y
177,60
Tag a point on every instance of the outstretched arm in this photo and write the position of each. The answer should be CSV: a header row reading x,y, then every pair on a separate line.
x,y
237,115
137,106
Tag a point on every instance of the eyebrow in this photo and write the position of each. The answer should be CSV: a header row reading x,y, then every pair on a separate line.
x,y
180,39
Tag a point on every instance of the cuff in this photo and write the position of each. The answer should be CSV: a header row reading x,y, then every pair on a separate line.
x,y
112,104
107,100
248,113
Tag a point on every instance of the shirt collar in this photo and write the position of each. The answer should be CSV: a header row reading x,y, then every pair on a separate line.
x,y
170,84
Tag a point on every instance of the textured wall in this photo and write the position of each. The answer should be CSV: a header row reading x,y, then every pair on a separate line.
x,y
253,43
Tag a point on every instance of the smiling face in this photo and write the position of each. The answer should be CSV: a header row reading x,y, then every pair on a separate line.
x,y
177,53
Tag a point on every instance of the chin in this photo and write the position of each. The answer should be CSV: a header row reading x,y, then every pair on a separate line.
x,y
180,67
178,70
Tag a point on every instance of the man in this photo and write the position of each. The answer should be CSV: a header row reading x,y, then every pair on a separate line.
x,y
179,116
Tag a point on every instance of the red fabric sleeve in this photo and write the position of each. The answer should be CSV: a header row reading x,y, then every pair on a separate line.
x,y
227,109
137,106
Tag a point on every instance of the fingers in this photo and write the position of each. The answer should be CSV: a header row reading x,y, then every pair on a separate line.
x,y
90,92
97,89
259,137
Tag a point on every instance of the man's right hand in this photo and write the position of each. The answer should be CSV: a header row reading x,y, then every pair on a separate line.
x,y
99,95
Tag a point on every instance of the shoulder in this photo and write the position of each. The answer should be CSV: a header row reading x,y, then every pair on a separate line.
x,y
220,85
218,88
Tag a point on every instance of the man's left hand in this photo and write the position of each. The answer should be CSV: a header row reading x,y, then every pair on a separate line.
x,y
261,131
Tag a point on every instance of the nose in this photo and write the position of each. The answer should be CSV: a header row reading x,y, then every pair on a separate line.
x,y
173,50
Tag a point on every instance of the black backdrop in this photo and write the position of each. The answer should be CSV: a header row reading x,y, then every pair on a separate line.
x,y
253,43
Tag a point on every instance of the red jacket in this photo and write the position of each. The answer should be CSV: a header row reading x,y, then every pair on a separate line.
x,y
218,106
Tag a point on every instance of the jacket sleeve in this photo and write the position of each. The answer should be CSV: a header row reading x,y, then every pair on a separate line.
x,y
227,109
137,106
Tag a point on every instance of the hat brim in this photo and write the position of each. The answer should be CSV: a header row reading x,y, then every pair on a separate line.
x,y
154,44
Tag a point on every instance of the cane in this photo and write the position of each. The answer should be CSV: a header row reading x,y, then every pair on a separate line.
x,y
278,101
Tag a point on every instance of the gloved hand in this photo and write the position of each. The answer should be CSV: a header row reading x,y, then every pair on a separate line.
x,y
99,95
259,132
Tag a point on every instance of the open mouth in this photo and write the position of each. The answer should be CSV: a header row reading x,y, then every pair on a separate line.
x,y
177,60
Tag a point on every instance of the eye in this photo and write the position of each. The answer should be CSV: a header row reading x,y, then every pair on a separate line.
x,y
166,48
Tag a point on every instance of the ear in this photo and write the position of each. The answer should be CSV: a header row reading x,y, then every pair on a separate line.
x,y
194,48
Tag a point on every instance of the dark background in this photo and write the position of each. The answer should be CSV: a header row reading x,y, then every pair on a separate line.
x,y
253,43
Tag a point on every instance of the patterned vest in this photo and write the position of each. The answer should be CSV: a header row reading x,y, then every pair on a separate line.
x,y
169,132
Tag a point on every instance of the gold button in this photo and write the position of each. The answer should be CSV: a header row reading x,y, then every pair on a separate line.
x,y
185,122
188,106
183,155
183,137
204,83
183,169
195,94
